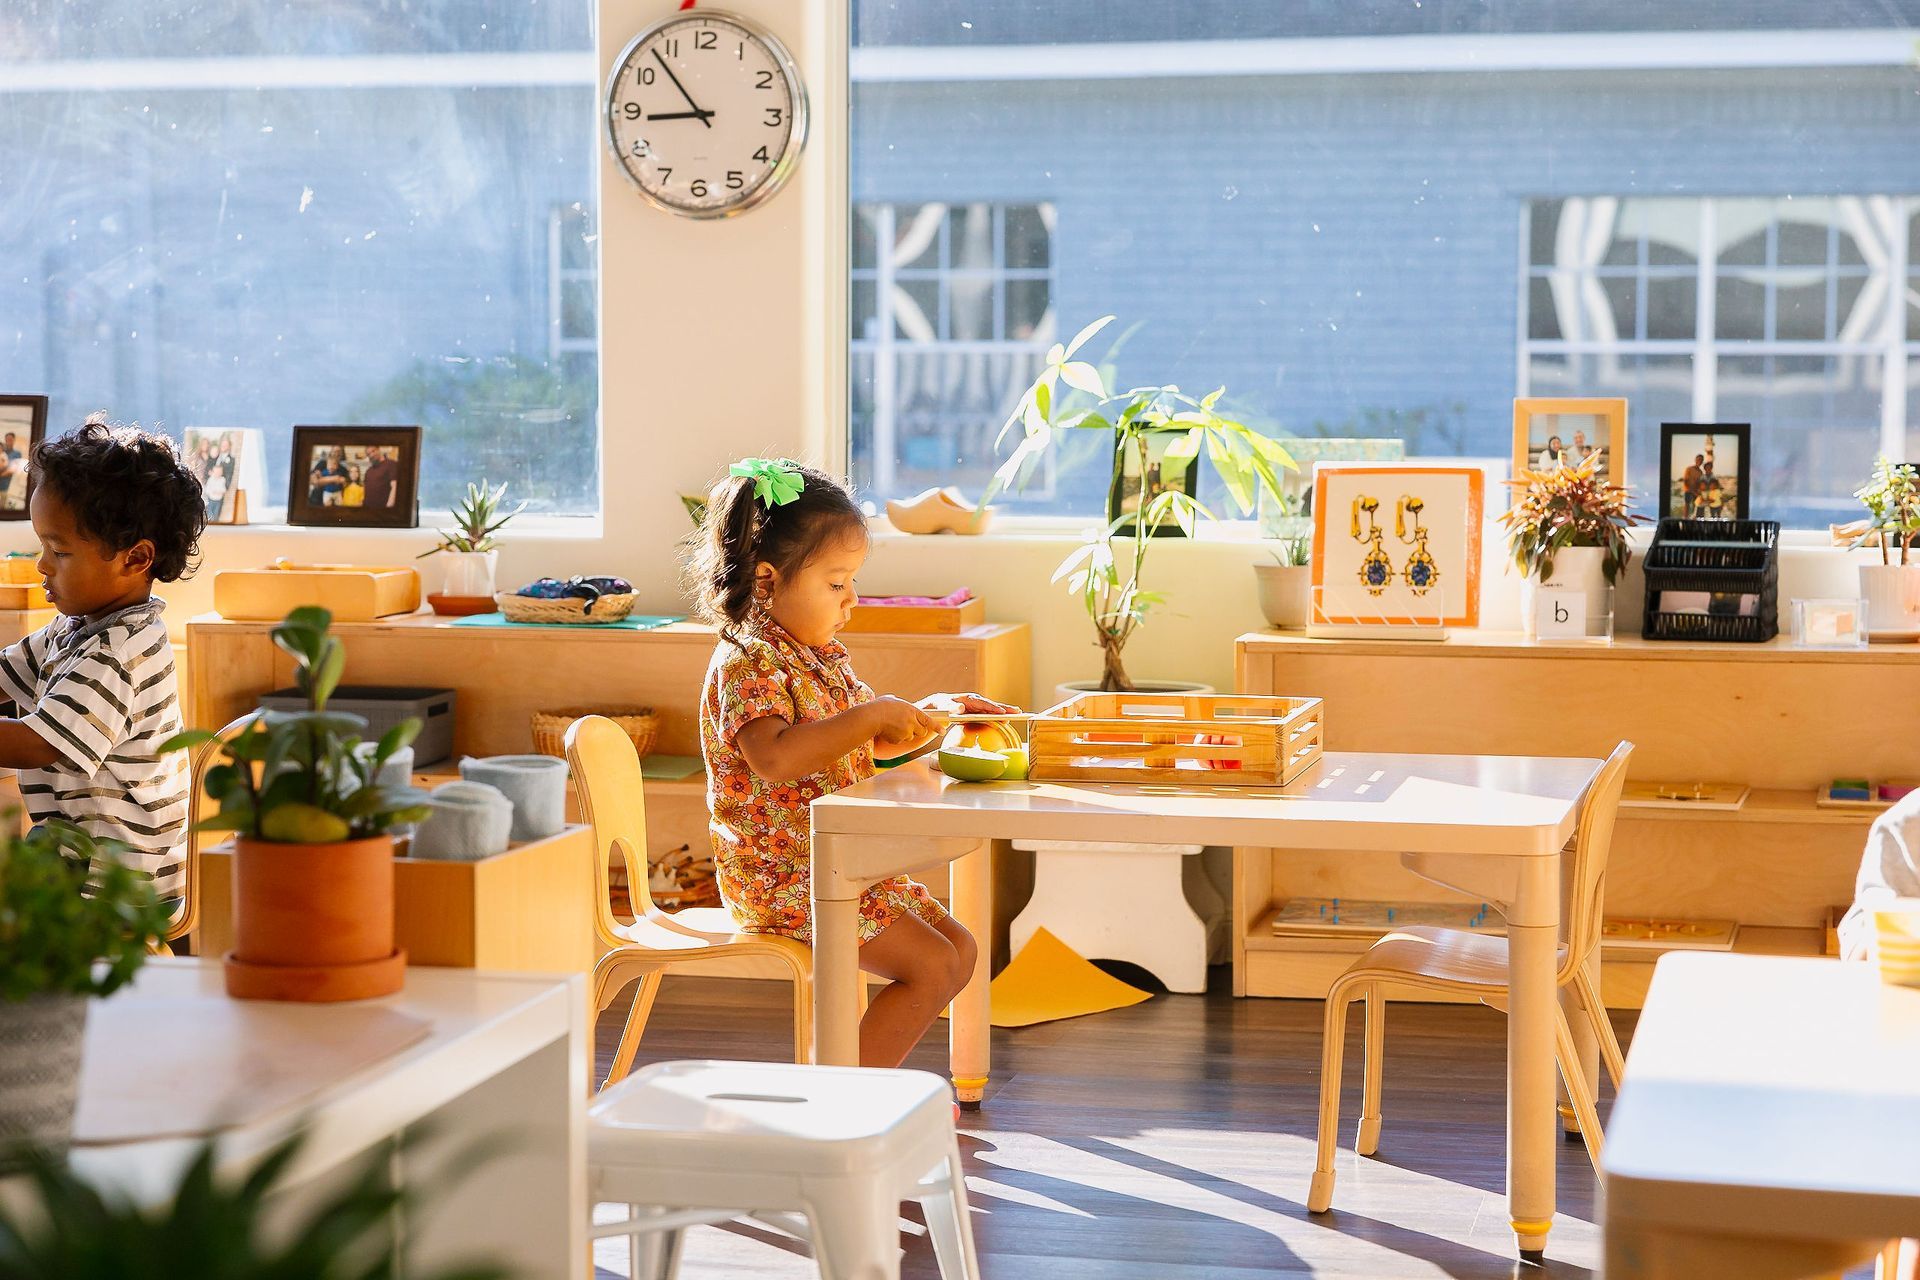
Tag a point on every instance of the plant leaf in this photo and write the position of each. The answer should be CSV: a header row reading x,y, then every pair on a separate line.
x,y
1080,339
1082,376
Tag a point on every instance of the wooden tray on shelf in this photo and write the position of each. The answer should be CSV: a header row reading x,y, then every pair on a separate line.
x,y
917,619
1208,739
353,593
23,595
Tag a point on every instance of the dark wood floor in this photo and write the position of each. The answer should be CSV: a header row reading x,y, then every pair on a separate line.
x,y
1174,1140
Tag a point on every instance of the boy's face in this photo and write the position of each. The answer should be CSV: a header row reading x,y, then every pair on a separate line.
x,y
818,599
83,576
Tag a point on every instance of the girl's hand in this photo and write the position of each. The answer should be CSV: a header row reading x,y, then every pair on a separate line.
x,y
899,723
962,704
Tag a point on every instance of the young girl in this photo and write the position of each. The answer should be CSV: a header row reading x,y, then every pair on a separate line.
x,y
783,720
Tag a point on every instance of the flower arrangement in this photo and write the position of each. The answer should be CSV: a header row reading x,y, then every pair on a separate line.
x,y
1892,500
1568,506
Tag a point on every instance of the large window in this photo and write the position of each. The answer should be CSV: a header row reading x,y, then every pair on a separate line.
x,y
245,213
1316,206
1791,314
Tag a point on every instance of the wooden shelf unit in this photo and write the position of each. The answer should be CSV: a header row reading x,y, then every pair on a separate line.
x,y
504,674
1782,720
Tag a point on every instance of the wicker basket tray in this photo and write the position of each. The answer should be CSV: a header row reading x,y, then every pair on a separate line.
x,y
568,612
550,727
1257,741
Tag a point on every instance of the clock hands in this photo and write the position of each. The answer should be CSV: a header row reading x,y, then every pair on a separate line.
x,y
704,117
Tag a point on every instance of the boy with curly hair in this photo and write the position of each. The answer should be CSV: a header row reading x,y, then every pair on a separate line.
x,y
115,511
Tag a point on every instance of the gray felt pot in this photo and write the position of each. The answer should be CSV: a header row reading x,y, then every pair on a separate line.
x,y
537,785
40,1044
470,821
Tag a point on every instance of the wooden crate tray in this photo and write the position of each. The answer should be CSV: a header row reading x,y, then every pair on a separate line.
x,y
1172,737
918,619
354,593
23,596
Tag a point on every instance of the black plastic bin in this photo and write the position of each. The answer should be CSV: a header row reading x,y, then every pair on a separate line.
x,y
384,707
1725,560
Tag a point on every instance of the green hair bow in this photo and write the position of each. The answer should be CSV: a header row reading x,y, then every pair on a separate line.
x,y
776,481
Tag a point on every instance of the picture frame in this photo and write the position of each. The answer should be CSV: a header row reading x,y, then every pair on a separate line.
x,y
227,461
1128,494
1446,528
328,461
23,425
1573,424
1704,469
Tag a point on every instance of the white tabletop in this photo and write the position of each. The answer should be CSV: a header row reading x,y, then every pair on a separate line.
x,y
477,1025
1503,805
1771,1096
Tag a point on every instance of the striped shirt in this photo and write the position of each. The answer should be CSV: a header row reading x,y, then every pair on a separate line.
x,y
102,694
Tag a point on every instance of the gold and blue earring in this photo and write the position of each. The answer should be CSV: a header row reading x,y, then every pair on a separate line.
x,y
1376,570
1421,573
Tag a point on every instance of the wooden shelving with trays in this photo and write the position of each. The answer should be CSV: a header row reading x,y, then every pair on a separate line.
x,y
1768,715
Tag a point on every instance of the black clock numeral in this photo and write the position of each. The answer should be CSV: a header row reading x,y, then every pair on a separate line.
x,y
698,186
735,180
631,110
706,40
646,75
766,80
774,116
672,45
666,176
641,149
761,156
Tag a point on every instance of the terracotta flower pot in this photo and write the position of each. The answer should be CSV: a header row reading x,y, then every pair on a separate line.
x,y
313,922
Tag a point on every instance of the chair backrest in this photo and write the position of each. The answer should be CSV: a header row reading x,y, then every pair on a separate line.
x,y
606,776
1587,876
187,919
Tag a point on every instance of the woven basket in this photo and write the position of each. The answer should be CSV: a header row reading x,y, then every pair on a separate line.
x,y
550,727
569,611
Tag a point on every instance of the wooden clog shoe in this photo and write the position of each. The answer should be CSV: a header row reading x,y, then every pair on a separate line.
x,y
938,511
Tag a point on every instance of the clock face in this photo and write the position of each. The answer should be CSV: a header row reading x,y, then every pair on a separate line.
x,y
706,114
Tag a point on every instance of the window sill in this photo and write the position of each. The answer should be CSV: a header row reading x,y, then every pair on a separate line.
x,y
524,529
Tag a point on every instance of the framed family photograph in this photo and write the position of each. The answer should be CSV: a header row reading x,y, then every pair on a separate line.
x,y
1704,468
356,477
227,463
1549,433
23,424
1131,490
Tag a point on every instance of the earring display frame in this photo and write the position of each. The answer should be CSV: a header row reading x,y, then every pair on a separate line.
x,y
1420,576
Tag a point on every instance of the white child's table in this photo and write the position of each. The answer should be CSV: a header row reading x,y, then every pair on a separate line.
x,y
1769,1122
1491,826
478,1055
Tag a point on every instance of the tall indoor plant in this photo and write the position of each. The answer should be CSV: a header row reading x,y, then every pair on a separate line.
x,y
61,943
313,853
1892,591
1567,531
470,552
1106,572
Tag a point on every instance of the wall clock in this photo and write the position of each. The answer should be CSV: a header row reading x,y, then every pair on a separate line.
x,y
706,113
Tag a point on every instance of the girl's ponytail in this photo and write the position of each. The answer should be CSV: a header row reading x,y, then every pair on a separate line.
x,y
744,529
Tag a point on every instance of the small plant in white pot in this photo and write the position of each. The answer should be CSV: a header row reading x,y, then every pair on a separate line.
x,y
469,551
60,945
1567,531
1892,591
1106,572
1286,584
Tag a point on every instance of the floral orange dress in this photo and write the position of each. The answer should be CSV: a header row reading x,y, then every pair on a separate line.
x,y
760,850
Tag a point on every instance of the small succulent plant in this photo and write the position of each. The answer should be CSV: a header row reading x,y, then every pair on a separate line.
x,y
476,520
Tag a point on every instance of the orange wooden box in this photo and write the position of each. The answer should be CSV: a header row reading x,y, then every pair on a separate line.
x,y
353,593
918,619
1260,741
20,570
23,595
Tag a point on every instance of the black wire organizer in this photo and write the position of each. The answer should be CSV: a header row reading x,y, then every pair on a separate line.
x,y
1724,559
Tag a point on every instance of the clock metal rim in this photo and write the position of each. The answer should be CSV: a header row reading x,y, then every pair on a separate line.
x,y
796,137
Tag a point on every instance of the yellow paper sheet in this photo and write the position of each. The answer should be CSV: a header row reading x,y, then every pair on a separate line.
x,y
1049,980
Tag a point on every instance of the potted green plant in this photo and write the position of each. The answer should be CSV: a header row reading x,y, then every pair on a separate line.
x,y
1286,584
217,1226
313,849
1567,531
470,552
60,944
1892,591
1106,573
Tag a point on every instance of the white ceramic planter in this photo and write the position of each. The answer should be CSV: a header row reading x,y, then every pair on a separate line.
x,y
1284,592
1892,593
469,573
1577,569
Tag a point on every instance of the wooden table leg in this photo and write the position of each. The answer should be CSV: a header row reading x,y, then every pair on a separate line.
x,y
836,957
1532,942
971,1030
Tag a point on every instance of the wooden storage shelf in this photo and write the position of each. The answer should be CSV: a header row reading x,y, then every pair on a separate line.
x,y
1781,720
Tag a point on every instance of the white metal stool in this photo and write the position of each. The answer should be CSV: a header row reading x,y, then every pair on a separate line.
x,y
825,1153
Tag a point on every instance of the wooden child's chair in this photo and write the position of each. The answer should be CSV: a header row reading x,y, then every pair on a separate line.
x,y
186,918
606,775
1462,963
